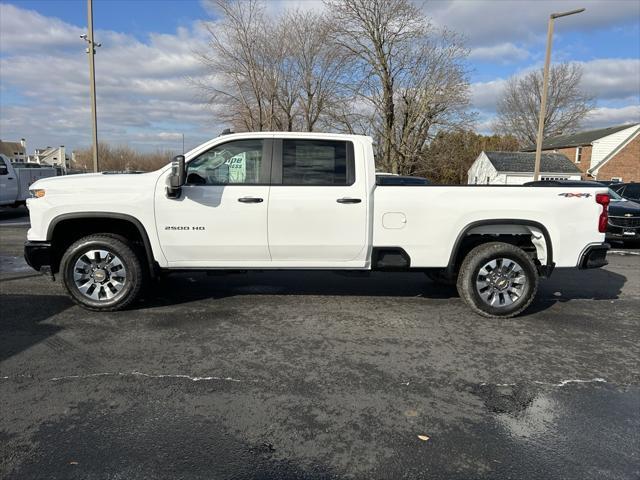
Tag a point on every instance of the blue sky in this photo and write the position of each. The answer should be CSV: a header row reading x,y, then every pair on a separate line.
x,y
145,98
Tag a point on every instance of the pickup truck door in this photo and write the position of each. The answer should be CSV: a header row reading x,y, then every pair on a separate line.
x,y
317,204
220,218
8,182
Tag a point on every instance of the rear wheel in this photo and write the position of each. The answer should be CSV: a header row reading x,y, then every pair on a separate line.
x,y
497,280
102,272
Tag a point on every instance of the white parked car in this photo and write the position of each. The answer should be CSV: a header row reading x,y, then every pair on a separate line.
x,y
306,201
15,181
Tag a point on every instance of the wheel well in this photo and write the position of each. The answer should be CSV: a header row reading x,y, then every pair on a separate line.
x,y
531,237
66,231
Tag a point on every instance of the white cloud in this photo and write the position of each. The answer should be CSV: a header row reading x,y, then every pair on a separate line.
x,y
612,78
605,117
484,95
490,22
499,53
144,93
26,30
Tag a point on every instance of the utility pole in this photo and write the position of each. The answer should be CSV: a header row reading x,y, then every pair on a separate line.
x,y
91,51
545,88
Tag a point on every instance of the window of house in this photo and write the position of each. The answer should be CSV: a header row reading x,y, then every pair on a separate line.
x,y
578,154
488,180
317,162
236,162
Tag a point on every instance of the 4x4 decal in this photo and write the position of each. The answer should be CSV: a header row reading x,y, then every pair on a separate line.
x,y
579,195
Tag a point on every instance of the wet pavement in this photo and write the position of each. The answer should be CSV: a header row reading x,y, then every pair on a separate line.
x,y
318,375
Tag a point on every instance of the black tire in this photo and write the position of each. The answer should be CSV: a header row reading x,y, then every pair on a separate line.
x,y
132,282
470,272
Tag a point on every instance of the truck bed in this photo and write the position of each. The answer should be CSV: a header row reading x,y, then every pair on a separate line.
x,y
428,220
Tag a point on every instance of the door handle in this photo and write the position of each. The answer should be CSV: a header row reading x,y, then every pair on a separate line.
x,y
250,200
348,200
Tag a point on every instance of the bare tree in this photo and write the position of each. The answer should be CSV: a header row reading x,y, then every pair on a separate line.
x,y
270,73
318,65
236,61
378,34
374,67
567,104
432,95
411,73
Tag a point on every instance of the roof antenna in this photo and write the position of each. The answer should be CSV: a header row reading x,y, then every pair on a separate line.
x,y
226,131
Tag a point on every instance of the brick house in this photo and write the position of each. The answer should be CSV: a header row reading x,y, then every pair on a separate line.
x,y
607,154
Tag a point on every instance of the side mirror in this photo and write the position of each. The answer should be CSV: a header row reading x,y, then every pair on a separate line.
x,y
177,177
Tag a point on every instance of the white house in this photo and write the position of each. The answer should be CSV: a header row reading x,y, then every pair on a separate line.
x,y
516,168
51,156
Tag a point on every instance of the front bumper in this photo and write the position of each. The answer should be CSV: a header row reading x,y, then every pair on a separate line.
x,y
594,256
615,232
37,254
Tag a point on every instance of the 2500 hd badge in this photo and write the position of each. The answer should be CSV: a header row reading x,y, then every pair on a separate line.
x,y
173,227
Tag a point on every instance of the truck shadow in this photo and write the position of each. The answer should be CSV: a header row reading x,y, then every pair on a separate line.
x,y
187,287
21,320
11,213
563,286
571,284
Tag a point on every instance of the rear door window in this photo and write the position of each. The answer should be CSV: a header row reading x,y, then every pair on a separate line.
x,y
317,162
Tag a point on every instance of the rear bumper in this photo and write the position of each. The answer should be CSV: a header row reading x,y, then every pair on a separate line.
x,y
37,254
594,256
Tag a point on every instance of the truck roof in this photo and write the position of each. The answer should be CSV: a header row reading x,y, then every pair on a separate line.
x,y
344,136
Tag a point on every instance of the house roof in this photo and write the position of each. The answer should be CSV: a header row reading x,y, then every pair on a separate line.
x,y
525,162
9,148
578,139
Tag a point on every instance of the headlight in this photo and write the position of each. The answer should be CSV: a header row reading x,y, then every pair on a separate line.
x,y
37,192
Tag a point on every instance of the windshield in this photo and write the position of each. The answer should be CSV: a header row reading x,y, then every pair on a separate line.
x,y
615,197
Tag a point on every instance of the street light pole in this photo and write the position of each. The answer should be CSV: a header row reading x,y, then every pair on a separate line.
x,y
91,51
545,89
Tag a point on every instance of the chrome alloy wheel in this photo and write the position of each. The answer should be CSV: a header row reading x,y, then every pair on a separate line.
x,y
501,282
99,275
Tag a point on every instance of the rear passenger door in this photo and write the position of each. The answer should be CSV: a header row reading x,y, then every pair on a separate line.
x,y
317,204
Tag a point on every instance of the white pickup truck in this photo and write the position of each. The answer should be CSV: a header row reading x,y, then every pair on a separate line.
x,y
15,182
306,201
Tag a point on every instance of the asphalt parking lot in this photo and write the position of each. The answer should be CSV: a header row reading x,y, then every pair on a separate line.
x,y
318,375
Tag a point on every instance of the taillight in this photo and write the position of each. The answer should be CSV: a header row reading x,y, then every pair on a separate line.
x,y
603,199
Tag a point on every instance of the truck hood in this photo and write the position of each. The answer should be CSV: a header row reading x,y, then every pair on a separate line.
x,y
91,182
621,208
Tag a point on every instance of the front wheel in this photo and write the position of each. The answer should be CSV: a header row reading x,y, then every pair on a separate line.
x,y
497,280
102,272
